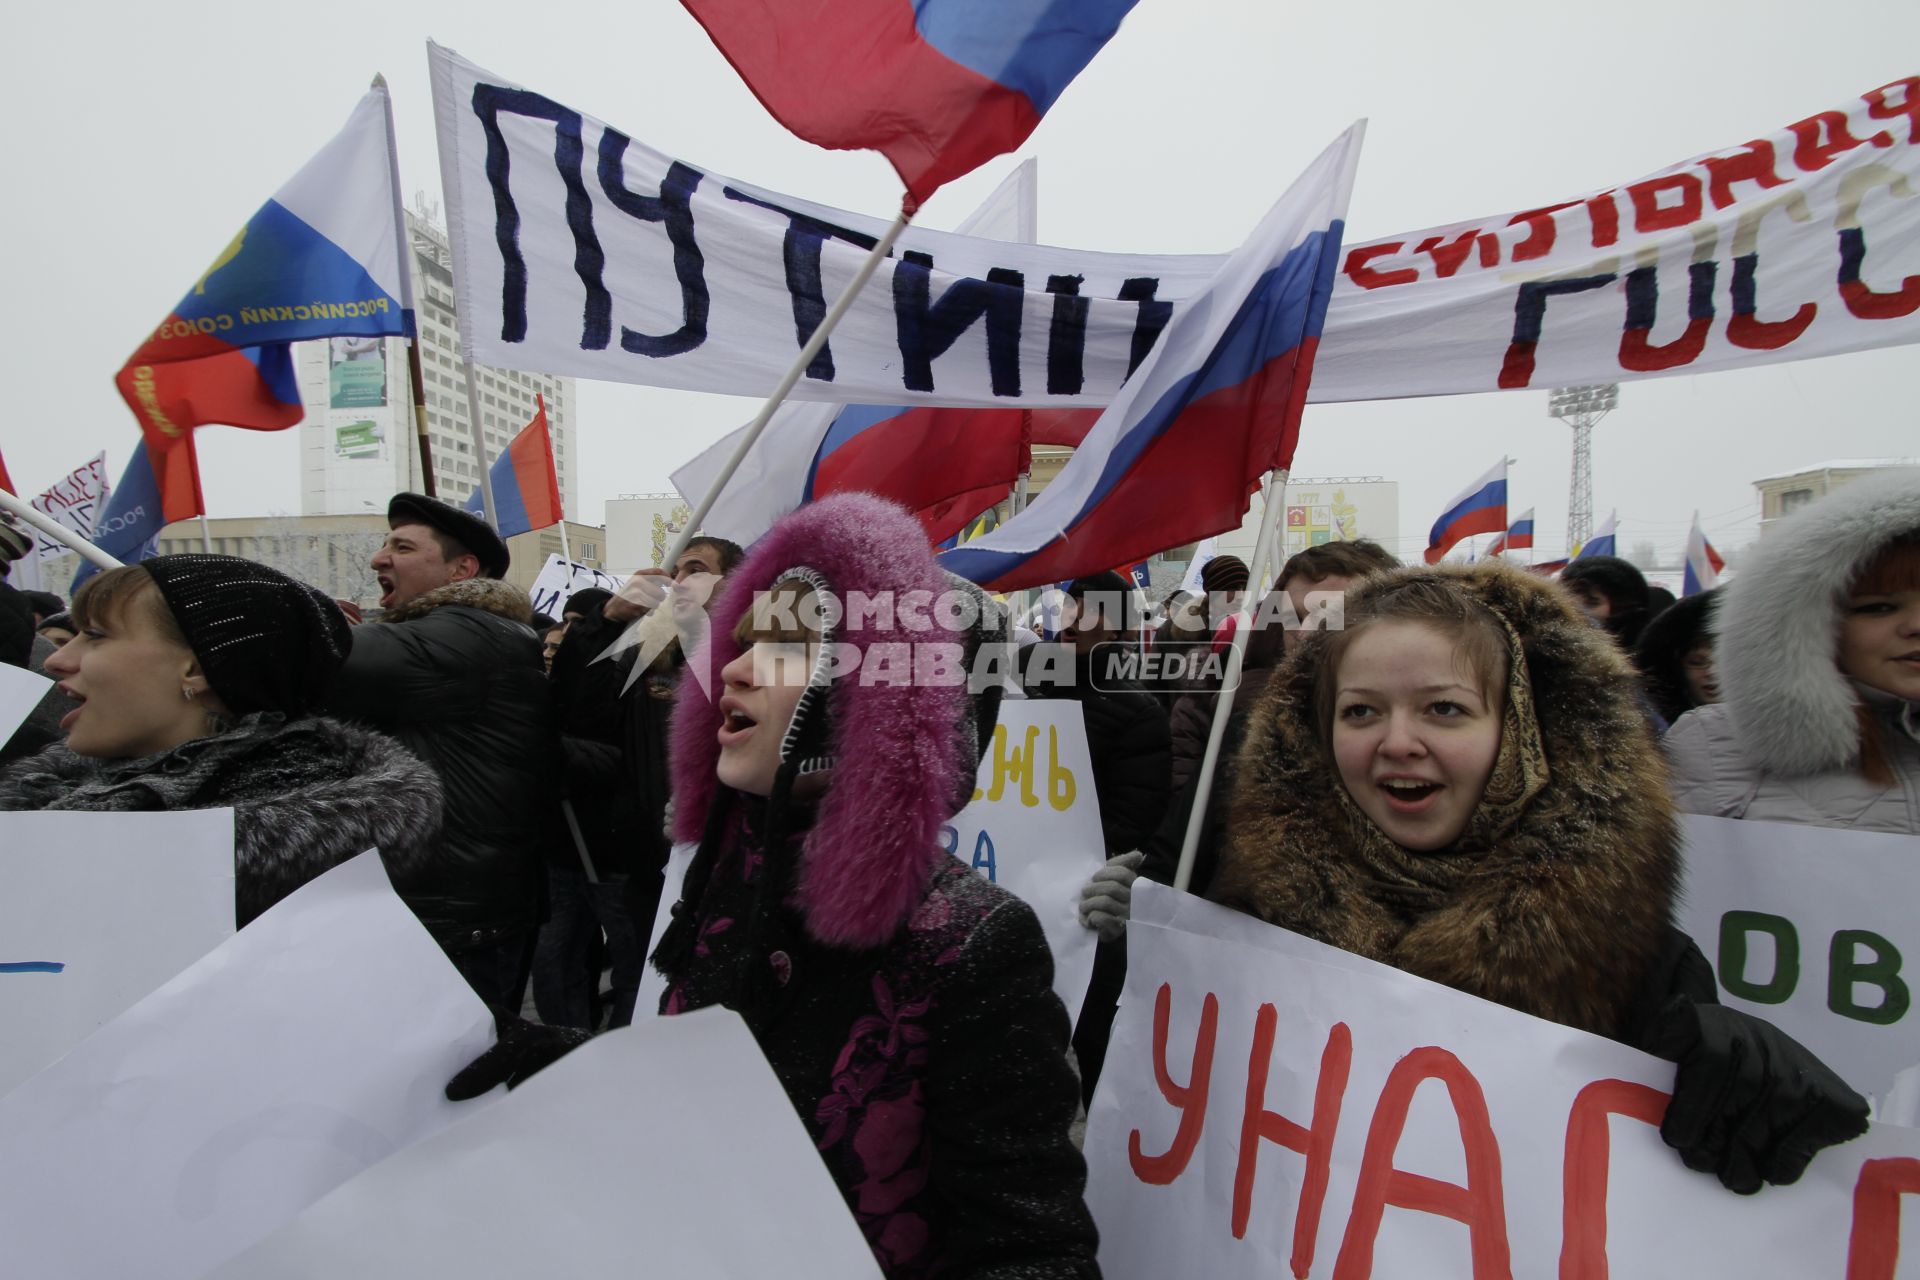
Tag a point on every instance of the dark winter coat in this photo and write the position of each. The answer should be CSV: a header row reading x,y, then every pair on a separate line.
x,y
1564,915
624,796
306,796
455,674
1128,742
905,1002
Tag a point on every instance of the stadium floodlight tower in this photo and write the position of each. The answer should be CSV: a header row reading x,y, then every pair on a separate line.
x,y
1582,407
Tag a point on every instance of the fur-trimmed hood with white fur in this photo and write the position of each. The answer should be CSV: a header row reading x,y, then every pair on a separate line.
x,y
1789,719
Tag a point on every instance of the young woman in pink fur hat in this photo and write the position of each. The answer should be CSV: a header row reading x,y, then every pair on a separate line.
x,y
904,1001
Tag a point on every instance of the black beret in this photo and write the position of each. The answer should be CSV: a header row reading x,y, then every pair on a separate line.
x,y
465,528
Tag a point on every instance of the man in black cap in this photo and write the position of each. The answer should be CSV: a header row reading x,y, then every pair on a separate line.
x,y
453,670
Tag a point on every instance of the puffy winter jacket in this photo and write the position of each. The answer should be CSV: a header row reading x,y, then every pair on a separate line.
x,y
1783,744
455,675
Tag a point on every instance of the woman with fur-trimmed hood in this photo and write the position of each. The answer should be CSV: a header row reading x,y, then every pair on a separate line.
x,y
192,681
1817,644
904,1001
1462,784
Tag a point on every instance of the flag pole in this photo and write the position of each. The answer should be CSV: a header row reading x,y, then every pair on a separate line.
x,y
1275,498
419,391
817,340
1017,602
480,444
55,530
206,539
403,245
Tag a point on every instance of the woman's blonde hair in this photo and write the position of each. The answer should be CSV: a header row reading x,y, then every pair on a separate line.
x,y
1479,638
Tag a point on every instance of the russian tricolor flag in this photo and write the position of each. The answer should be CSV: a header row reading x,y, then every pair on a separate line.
x,y
1518,537
1214,406
320,259
1703,563
939,87
1480,508
1603,542
944,465
526,485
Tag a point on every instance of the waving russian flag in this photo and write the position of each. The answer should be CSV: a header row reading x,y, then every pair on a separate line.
x,y
939,87
1480,508
1703,563
1603,542
320,259
526,486
1214,406
945,465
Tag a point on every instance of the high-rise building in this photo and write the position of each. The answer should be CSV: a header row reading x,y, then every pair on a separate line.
x,y
357,442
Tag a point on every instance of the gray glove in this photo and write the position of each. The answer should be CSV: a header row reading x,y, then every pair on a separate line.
x,y
1107,900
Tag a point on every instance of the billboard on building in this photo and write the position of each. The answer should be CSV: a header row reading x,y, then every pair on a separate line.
x,y
356,373
357,418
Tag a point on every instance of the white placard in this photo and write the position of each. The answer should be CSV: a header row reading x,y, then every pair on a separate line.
x,y
20,692
1447,1137
663,1149
1034,828
1804,242
1815,929
310,1046
559,579
97,911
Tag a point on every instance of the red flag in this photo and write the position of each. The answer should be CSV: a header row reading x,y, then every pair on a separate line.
x,y
937,86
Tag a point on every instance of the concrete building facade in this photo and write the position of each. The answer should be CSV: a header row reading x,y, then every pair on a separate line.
x,y
1782,495
358,445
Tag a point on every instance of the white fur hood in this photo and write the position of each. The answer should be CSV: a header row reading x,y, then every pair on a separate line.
x,y
1776,631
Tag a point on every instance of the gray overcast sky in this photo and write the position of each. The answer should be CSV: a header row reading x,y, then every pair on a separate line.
x,y
144,136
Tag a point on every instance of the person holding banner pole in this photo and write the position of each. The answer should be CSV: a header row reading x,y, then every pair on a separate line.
x,y
1817,649
1461,783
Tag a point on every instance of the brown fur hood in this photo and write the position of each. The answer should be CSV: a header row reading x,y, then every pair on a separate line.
x,y
488,594
1565,915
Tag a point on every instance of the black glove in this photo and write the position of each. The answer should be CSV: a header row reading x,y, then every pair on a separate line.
x,y
1750,1103
521,1049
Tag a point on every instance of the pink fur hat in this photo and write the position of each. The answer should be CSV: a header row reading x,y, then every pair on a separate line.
x,y
901,752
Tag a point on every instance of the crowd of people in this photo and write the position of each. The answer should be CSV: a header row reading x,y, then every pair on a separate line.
x,y
1473,774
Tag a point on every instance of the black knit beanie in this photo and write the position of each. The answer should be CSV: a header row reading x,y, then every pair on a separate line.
x,y
265,641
